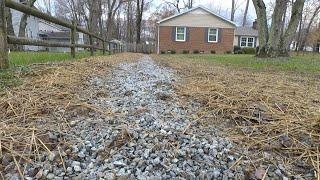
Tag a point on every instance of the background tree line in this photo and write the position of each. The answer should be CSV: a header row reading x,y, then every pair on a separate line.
x,y
134,21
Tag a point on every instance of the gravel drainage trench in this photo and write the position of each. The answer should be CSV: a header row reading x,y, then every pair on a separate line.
x,y
149,133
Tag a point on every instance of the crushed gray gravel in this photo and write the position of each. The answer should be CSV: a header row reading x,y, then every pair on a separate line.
x,y
141,135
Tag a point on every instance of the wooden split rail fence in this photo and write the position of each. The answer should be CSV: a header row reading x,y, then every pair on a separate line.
x,y
5,39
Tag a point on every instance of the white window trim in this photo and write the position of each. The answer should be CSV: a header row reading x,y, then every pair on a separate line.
x,y
247,41
213,34
185,34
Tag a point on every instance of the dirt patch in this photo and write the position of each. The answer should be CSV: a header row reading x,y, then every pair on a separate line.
x,y
273,116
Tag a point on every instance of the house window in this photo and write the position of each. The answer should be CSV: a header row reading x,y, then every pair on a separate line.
x,y
212,35
180,34
247,42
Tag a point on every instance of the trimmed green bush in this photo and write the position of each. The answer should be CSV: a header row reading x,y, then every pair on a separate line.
x,y
213,52
196,51
171,51
236,48
185,52
249,50
238,52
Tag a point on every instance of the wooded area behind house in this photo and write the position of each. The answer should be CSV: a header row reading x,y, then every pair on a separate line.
x,y
135,20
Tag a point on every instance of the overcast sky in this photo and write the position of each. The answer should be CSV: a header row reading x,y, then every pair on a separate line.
x,y
222,7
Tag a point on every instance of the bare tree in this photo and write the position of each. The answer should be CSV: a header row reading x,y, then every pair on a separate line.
x,y
112,7
245,14
234,7
175,4
233,10
24,19
10,29
94,12
71,10
130,22
274,43
313,16
314,38
188,4
180,5
140,9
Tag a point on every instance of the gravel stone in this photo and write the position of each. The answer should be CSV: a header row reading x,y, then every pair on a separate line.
x,y
77,168
50,176
133,128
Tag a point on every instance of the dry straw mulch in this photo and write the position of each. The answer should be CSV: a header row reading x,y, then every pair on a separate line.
x,y
275,113
30,111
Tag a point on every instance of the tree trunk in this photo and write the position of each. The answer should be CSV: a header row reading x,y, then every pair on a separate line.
x,y
140,7
299,37
245,14
190,4
177,6
274,43
10,30
129,23
23,22
110,25
288,36
260,8
275,30
4,62
24,19
94,16
113,7
233,10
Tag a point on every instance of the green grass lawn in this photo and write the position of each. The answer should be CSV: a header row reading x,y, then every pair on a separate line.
x,y
25,58
8,77
305,64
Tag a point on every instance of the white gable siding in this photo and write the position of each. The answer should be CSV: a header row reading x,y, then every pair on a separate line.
x,y
46,26
197,18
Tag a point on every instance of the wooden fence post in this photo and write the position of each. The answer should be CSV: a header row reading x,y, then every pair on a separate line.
x,y
73,39
4,61
104,47
91,44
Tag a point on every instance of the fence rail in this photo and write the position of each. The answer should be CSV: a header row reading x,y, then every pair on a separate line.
x,y
5,39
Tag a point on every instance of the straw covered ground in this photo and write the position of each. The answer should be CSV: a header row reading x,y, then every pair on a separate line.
x,y
160,116
29,113
273,116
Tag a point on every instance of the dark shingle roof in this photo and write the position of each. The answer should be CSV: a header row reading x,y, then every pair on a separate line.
x,y
56,35
246,31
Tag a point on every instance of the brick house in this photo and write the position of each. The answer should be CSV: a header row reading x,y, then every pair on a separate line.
x,y
247,37
196,29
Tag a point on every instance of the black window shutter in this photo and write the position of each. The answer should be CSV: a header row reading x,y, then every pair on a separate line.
x,y
206,31
219,35
173,34
187,34
239,41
